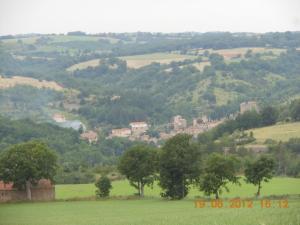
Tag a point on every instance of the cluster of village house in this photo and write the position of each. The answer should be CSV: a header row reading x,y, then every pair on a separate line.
x,y
138,130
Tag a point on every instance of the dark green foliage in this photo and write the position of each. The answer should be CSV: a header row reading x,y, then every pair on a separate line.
x,y
269,116
295,110
179,166
103,187
76,157
261,170
138,164
218,172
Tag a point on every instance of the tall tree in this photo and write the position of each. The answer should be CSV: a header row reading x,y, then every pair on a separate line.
x,y
138,164
218,172
26,163
259,171
269,116
179,166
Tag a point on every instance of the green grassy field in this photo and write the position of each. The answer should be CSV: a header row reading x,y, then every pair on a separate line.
x,y
145,212
278,132
277,186
153,210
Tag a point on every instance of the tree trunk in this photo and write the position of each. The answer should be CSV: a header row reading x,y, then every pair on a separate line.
x,y
217,195
142,190
182,188
139,187
258,190
28,190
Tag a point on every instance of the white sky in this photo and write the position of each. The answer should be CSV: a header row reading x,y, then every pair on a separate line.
x,y
94,16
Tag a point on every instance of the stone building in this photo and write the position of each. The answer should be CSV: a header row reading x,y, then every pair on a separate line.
x,y
248,106
138,128
122,132
179,123
43,191
90,136
59,118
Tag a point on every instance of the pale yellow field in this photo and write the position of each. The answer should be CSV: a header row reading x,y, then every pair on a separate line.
x,y
138,61
17,80
84,65
279,132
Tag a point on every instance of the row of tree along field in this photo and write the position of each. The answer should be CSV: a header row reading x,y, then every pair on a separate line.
x,y
177,165
180,163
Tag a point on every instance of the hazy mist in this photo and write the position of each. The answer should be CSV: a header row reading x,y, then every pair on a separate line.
x,y
93,16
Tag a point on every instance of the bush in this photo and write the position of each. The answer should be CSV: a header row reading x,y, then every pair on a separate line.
x,y
104,186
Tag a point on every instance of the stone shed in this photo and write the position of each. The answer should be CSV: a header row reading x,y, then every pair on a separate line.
x,y
43,191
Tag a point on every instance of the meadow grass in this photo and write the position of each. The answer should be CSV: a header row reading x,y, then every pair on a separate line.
x,y
277,186
146,212
278,132
153,210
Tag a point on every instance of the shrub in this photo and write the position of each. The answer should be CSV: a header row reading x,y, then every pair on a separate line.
x,y
103,185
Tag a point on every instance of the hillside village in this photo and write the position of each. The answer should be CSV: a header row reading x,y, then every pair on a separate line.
x,y
138,130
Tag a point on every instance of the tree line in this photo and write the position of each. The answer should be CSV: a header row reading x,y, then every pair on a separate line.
x,y
181,162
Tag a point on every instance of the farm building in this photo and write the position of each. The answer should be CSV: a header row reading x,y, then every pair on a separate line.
x,y
248,106
90,136
43,191
138,128
178,123
123,132
59,118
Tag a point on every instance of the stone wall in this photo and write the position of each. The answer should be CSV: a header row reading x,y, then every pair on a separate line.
x,y
37,194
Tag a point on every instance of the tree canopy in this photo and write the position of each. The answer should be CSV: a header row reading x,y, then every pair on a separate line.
x,y
179,166
218,172
138,164
259,171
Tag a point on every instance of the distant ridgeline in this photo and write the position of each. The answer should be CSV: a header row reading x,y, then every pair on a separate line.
x,y
119,78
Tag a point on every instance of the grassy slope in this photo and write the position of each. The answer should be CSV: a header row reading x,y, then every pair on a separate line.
x,y
277,186
279,132
146,212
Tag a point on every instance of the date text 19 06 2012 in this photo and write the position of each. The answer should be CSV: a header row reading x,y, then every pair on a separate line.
x,y
237,203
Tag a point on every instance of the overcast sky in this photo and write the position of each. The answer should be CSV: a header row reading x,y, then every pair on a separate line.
x,y
94,16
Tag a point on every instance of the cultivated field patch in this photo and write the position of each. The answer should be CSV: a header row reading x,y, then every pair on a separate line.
x,y
84,65
18,80
278,132
138,61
